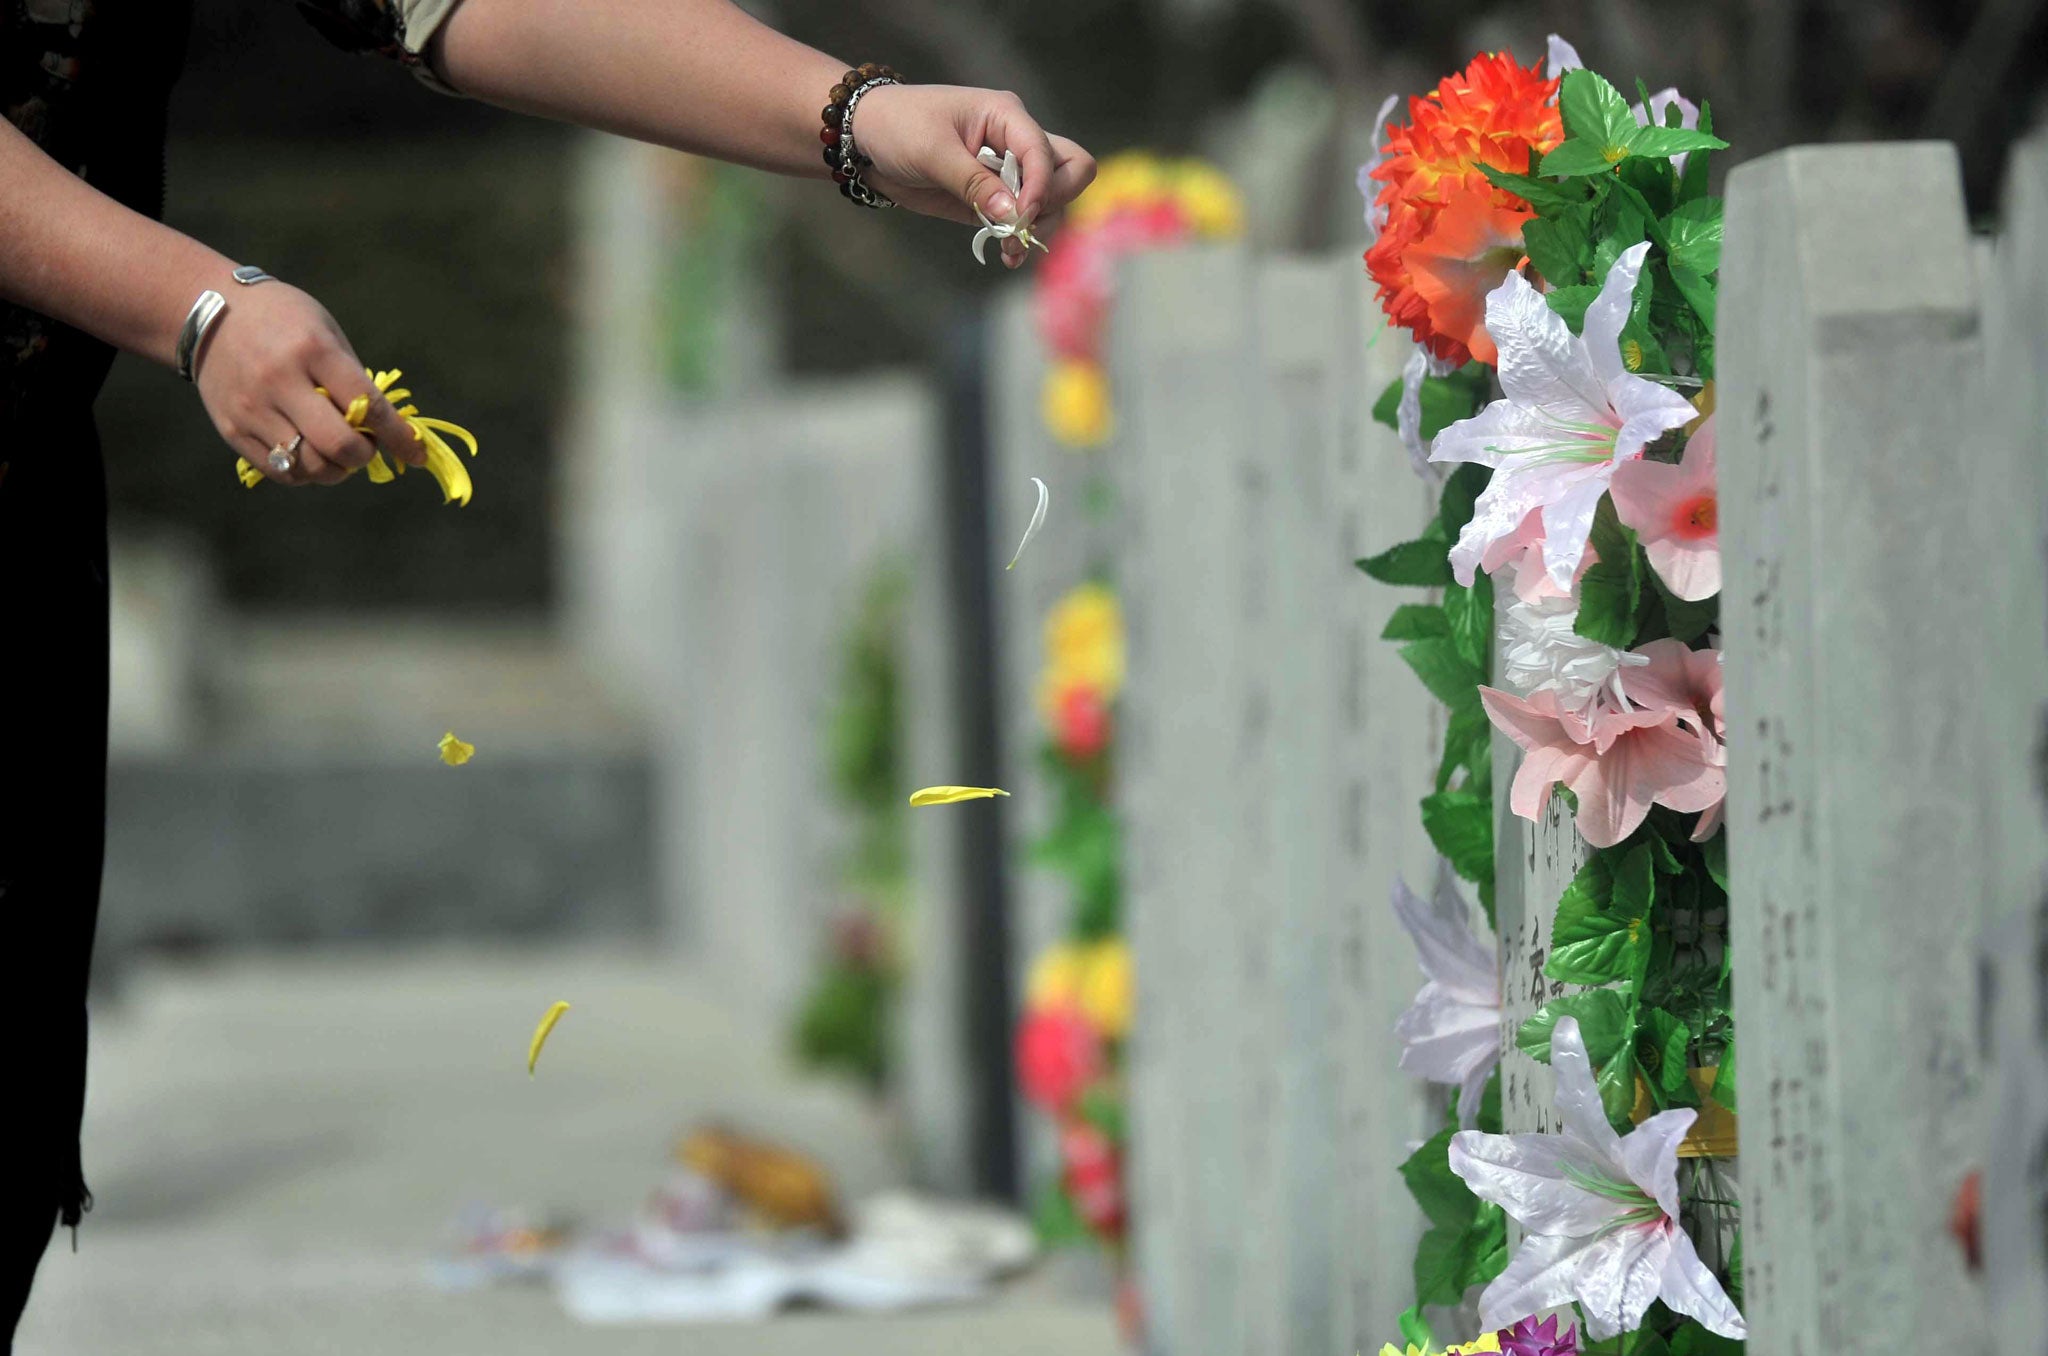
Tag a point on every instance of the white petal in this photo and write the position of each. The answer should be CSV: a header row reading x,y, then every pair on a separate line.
x,y
1568,522
1611,1277
1013,179
1646,409
1578,1099
1037,521
1444,1038
1687,1286
1650,1153
1541,362
1368,187
1608,313
1408,414
989,159
1449,950
1531,1176
1563,57
981,239
1472,1091
1502,505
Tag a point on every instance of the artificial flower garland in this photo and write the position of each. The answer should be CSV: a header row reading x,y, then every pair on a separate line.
x,y
1552,247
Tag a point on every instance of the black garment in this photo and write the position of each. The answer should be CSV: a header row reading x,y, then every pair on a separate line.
x,y
89,81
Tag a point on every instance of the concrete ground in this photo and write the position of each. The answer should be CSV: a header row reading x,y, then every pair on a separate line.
x,y
277,1145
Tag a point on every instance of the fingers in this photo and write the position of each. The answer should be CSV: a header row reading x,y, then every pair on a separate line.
x,y
342,374
1073,171
327,434
1013,129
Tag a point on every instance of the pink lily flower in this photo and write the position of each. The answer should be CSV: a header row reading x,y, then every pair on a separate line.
x,y
1675,513
1620,762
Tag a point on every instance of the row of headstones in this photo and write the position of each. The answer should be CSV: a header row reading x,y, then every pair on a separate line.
x,y
1881,449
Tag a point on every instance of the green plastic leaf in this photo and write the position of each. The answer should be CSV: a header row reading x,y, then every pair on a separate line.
x,y
1698,292
1693,1340
1415,1329
1460,825
1470,612
1575,159
1612,585
1604,1024
1692,235
1387,409
1461,491
1449,1262
1453,679
1468,743
1661,1044
1425,563
1686,621
1561,246
1571,303
1442,1194
1599,936
1545,195
1415,621
1666,141
1616,1082
1724,1079
1735,1267
1692,184
1715,851
1445,400
1594,110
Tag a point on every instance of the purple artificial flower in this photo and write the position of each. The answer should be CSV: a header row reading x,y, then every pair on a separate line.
x,y
1530,1338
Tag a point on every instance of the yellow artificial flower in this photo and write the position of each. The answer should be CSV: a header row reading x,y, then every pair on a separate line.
x,y
1412,1350
1131,177
1075,403
1210,200
1489,1343
1055,978
1084,647
953,795
454,752
442,463
1106,987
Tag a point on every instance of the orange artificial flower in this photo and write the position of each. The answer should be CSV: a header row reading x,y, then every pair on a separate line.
x,y
1450,235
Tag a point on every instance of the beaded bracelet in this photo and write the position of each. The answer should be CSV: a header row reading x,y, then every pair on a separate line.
x,y
842,157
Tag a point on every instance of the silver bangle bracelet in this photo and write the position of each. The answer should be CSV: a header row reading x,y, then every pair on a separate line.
x,y
198,321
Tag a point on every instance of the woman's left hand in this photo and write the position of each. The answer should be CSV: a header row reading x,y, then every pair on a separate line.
x,y
923,140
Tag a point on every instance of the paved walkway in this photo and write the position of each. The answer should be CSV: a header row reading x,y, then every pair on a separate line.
x,y
277,1144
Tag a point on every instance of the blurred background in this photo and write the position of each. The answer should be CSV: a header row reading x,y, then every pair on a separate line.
x,y
724,595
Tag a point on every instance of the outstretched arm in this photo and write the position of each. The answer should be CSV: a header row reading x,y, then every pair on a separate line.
x,y
703,76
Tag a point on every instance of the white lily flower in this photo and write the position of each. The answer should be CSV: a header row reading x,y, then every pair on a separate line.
x,y
1038,521
1600,1212
1563,57
1005,166
1451,1032
1573,413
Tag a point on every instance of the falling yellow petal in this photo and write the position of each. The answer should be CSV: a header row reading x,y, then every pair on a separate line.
x,y
953,795
454,752
540,1034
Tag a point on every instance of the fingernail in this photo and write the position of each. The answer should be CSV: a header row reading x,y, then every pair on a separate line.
x,y
1001,206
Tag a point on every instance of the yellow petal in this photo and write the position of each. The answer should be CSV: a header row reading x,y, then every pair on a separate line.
x,y
454,752
247,474
443,464
540,1034
380,470
358,411
953,795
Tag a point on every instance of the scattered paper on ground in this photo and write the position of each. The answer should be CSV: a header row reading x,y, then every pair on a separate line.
x,y
1037,521
454,752
953,795
540,1035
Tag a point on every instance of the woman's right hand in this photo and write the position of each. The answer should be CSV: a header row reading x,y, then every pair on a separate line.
x,y
259,373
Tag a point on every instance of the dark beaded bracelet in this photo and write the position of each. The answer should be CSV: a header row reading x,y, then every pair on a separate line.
x,y
841,155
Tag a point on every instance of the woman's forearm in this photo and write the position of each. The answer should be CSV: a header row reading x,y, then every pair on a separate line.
x,y
71,252
698,75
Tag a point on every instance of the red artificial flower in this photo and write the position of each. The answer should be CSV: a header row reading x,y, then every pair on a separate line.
x,y
1058,1056
1451,236
1093,1177
1081,723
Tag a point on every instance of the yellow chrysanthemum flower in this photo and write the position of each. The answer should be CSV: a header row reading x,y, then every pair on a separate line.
x,y
1055,978
454,752
1084,647
1210,200
1412,1350
442,463
1106,988
1131,177
1489,1343
1076,405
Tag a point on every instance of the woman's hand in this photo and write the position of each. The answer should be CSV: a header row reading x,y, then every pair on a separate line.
x,y
923,140
259,371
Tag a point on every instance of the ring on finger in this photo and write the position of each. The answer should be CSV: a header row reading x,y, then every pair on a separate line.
x,y
285,456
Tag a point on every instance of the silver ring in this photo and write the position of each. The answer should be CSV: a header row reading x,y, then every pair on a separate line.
x,y
248,275
286,455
